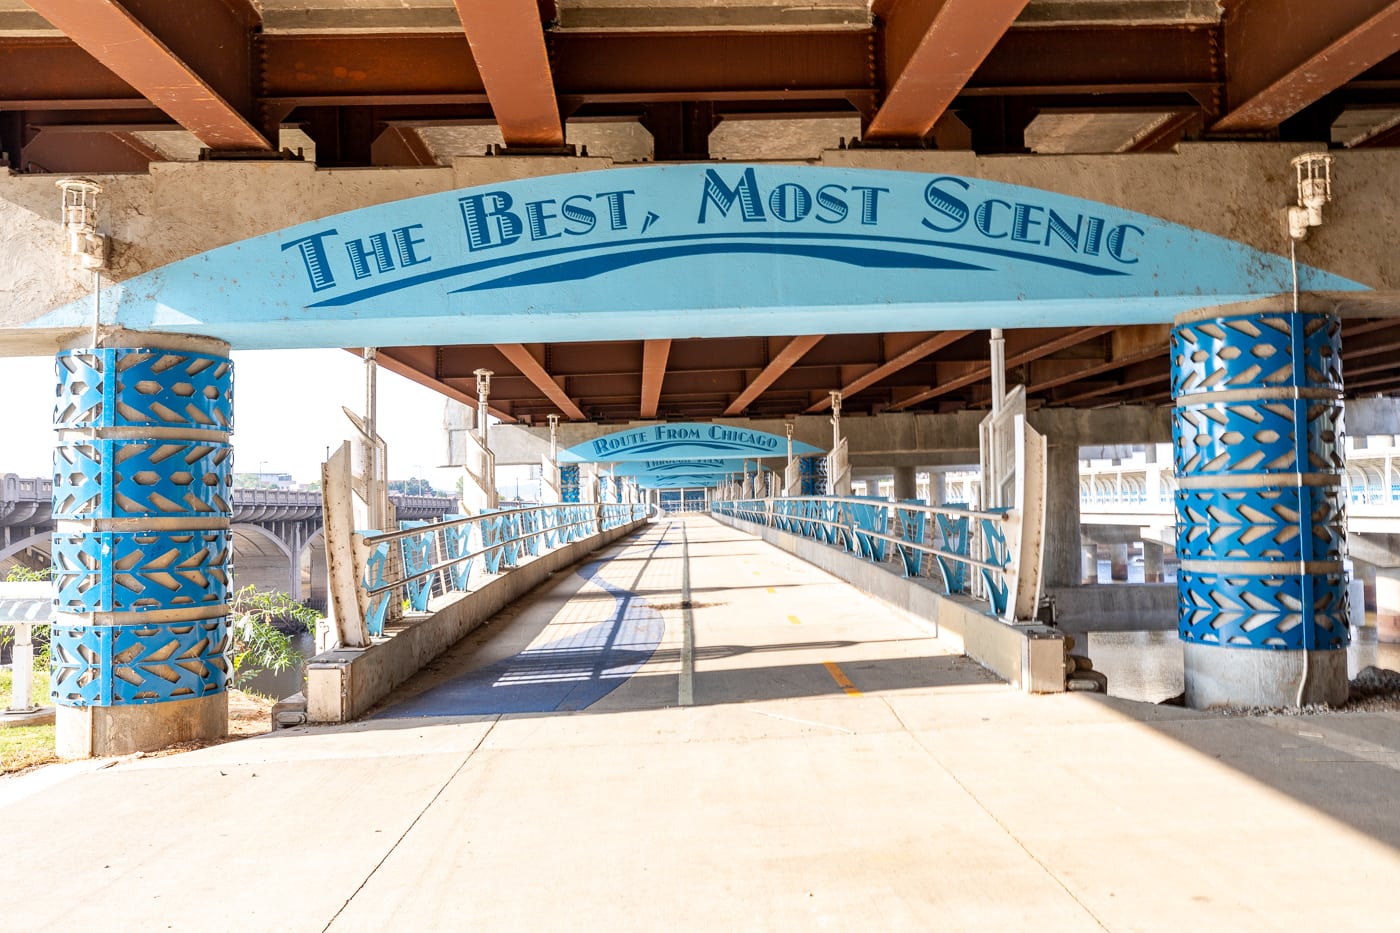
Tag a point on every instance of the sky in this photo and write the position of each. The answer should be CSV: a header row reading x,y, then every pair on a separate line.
x,y
287,411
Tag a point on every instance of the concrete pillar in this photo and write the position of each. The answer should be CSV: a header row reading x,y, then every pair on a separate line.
x,y
1260,521
141,505
906,484
1388,604
316,592
1062,540
1118,561
1091,563
937,488
1152,556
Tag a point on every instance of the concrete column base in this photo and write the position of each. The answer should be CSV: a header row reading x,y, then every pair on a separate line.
x,y
1254,677
1118,562
101,731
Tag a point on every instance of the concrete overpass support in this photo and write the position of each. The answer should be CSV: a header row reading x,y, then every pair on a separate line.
x,y
1260,520
142,500
906,483
1063,560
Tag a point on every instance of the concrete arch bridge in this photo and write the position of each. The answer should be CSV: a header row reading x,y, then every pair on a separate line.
x,y
278,534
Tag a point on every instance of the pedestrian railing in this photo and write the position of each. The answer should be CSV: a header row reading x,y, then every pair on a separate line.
x,y
24,607
968,551
402,570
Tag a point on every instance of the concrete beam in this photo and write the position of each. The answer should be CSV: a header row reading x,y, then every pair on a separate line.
x,y
889,439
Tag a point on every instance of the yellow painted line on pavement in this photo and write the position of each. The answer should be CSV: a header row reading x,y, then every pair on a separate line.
x,y
772,592
841,679
794,620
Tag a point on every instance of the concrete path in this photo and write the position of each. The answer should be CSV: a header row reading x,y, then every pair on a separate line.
x,y
786,755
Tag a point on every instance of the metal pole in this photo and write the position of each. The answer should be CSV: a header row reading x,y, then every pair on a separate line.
x,y
835,420
483,392
554,438
998,370
371,392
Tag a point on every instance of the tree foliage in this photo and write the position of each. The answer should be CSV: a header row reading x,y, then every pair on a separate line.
x,y
258,640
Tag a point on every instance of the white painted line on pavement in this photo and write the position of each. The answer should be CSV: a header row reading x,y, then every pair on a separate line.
x,y
687,684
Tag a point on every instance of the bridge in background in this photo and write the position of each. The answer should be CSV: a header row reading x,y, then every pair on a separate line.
x,y
278,533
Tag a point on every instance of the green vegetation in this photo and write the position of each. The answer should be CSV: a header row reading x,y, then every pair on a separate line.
x,y
26,746
22,574
413,487
257,643
38,696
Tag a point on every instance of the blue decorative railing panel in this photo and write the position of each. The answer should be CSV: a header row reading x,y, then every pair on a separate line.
x,y
912,525
423,558
123,665
456,540
879,531
136,571
417,557
868,518
377,575
956,534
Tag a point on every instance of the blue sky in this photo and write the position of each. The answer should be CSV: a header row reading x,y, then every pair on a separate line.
x,y
287,411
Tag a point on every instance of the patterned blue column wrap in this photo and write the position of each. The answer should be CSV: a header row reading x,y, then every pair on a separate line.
x,y
109,570
121,665
1258,441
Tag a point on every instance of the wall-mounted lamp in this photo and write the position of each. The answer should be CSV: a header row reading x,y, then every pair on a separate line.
x,y
80,222
1314,179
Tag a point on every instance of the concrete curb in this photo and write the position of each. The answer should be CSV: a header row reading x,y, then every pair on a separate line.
x,y
341,685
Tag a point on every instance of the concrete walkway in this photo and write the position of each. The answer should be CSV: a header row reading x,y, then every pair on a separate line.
x,y
833,770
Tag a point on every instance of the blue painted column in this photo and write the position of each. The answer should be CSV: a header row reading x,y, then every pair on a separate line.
x,y
141,547
1260,522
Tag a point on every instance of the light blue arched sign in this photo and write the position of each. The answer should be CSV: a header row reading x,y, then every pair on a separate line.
x,y
683,442
696,251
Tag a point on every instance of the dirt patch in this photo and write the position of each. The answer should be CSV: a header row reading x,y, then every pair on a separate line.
x,y
248,714
693,604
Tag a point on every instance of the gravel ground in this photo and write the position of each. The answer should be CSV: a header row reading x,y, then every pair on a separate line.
x,y
1373,690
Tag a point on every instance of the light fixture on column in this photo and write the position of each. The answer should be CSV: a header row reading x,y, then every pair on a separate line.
x,y
483,392
80,222
1313,171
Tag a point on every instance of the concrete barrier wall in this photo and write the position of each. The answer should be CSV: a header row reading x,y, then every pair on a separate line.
x,y
1116,607
343,684
1031,657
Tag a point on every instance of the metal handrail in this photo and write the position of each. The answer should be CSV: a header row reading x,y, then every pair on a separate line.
x,y
595,516
437,527
768,511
